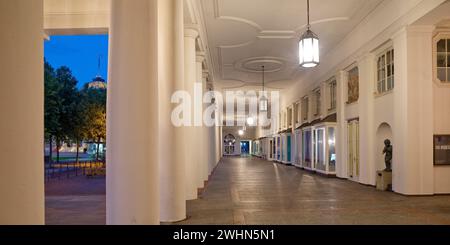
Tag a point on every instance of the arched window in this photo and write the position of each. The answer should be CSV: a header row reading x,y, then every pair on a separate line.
x,y
229,142
442,58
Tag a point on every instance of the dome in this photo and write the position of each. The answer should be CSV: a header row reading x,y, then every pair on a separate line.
x,y
98,79
97,83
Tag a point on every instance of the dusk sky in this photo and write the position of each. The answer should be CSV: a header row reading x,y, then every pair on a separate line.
x,y
80,54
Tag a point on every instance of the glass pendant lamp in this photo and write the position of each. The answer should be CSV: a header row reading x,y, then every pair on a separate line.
x,y
308,47
263,102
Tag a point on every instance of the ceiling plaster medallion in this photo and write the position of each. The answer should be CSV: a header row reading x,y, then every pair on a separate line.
x,y
253,65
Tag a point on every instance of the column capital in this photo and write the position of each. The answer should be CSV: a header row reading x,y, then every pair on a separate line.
x,y
210,86
191,32
200,57
205,74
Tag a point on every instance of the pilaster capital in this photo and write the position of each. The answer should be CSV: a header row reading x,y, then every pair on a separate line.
x,y
366,57
191,33
421,29
400,33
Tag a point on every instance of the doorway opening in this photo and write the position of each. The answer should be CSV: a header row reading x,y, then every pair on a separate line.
x,y
245,148
75,129
353,150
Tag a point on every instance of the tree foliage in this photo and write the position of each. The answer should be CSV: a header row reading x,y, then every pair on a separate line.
x,y
51,102
72,115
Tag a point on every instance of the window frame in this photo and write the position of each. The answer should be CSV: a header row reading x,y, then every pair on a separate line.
x,y
318,101
332,93
439,36
289,116
390,49
305,109
297,113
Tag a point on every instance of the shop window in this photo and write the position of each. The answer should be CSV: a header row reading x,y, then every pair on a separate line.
x,y
320,145
353,86
332,149
332,86
307,155
442,57
385,72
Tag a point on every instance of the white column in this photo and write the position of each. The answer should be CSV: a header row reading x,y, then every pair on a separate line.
x,y
220,143
413,170
203,148
341,134
211,132
132,163
22,110
217,144
192,133
171,139
366,120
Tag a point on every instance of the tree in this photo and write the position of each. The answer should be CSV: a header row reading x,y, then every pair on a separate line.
x,y
79,123
72,115
94,101
96,119
52,106
68,100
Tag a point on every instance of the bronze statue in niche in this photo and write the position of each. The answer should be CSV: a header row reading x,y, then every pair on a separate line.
x,y
387,151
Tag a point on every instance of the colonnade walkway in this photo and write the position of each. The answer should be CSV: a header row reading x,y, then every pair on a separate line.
x,y
254,191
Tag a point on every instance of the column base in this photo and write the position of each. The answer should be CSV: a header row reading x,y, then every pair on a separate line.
x,y
174,222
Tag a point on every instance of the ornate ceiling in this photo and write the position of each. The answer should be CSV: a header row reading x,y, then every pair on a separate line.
x,y
244,35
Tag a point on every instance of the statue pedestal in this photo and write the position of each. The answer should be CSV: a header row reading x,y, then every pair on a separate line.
x,y
384,180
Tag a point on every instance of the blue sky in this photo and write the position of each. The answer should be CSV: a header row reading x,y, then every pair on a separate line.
x,y
80,54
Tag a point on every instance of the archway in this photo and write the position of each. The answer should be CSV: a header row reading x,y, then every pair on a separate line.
x,y
384,132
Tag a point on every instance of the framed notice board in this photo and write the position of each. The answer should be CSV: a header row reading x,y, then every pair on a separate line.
x,y
441,148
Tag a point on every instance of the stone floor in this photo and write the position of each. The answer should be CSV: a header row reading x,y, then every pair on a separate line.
x,y
75,201
253,191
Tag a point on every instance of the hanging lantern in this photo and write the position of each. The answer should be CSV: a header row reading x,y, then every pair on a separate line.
x,y
263,104
308,47
263,101
241,132
250,121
